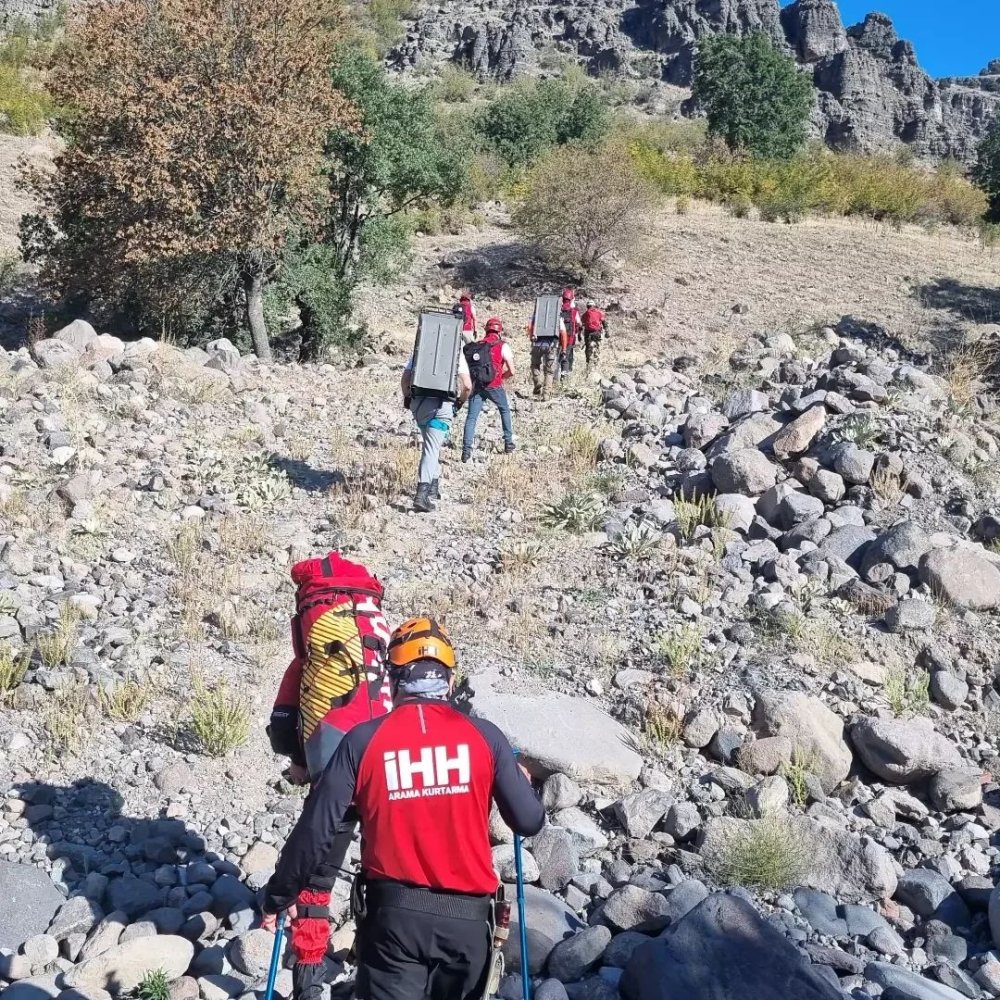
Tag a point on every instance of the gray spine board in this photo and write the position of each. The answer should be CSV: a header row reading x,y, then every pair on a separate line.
x,y
548,313
436,354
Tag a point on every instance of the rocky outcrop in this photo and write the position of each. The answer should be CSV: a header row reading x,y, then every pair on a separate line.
x,y
872,93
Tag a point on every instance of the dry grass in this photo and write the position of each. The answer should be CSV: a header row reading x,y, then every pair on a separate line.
x,y
202,578
907,694
967,368
126,700
680,651
698,512
56,648
887,486
65,720
517,556
13,667
220,717
663,726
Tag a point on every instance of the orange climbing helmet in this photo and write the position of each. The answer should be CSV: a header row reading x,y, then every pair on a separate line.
x,y
421,639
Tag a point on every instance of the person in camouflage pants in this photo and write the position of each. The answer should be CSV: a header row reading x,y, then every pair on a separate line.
x,y
544,366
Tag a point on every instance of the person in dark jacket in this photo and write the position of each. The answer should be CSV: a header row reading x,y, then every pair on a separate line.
x,y
422,779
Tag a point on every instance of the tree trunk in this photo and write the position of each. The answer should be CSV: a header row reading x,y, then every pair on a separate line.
x,y
253,286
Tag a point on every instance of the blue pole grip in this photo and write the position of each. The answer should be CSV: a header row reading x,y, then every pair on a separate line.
x,y
279,943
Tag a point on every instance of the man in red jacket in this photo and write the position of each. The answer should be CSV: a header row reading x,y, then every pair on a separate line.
x,y
421,779
595,325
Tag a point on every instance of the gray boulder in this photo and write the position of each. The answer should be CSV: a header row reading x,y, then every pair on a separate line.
x,y
743,402
962,577
78,915
811,728
703,428
903,750
133,895
549,921
956,791
848,543
556,857
931,896
560,792
827,486
797,436
746,471
639,812
721,950
124,966
854,464
908,985
30,901
572,958
250,952
558,733
947,690
902,546
632,908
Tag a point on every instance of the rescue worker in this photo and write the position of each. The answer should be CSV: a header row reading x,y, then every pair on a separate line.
x,y
595,325
421,779
466,309
433,416
571,320
488,376
545,349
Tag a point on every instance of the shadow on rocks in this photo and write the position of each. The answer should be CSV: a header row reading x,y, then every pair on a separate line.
x,y
507,270
305,477
974,303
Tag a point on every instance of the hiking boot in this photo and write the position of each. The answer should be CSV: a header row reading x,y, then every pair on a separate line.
x,y
508,449
466,455
422,501
435,490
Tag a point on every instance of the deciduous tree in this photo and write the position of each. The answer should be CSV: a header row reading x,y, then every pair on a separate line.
x,y
196,145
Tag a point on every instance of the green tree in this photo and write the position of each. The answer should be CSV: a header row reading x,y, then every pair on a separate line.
x,y
755,97
986,172
526,120
396,158
194,152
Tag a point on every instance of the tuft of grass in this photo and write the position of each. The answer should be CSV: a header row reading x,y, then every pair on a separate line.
x,y
580,444
186,546
860,428
887,486
220,717
13,667
768,854
803,765
64,720
680,650
698,512
154,985
56,648
126,700
967,369
907,695
662,725
576,512
453,84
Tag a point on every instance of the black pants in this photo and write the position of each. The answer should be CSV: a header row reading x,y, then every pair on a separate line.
x,y
408,955
566,358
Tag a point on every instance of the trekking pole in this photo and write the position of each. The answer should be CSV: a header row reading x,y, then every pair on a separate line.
x,y
279,941
521,925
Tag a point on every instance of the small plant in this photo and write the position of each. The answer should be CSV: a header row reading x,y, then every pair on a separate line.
x,y
797,774
701,511
185,548
994,545
907,695
887,485
580,444
859,428
56,648
769,854
639,540
662,726
126,700
220,718
967,369
13,667
64,720
155,985
608,483
520,554
680,650
576,512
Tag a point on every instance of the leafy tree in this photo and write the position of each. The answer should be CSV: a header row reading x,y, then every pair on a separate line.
x,y
986,172
755,97
524,121
194,149
581,212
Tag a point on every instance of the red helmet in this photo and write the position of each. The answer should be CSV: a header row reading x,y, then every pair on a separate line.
x,y
568,294
494,325
464,297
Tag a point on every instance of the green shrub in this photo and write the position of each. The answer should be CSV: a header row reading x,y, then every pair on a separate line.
x,y
25,106
987,170
155,985
220,718
454,84
525,120
768,854
576,512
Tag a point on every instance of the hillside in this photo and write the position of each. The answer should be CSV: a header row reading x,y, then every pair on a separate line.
x,y
789,688
873,95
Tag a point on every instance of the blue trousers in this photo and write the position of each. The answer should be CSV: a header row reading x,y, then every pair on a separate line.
x,y
477,400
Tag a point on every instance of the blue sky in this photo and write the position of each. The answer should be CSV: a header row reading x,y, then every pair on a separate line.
x,y
957,38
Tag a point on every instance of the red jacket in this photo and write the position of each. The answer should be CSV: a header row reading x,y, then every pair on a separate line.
x,y
495,342
421,779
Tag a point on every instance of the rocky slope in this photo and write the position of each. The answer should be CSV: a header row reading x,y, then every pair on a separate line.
x,y
873,95
788,689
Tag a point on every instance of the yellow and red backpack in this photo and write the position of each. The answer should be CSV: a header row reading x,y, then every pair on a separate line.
x,y
338,675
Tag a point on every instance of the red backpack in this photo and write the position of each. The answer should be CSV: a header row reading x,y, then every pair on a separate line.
x,y
338,677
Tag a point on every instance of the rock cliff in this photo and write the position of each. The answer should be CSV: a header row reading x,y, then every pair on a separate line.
x,y
872,93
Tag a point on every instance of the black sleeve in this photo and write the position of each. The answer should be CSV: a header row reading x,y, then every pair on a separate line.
x,y
310,842
515,798
283,732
